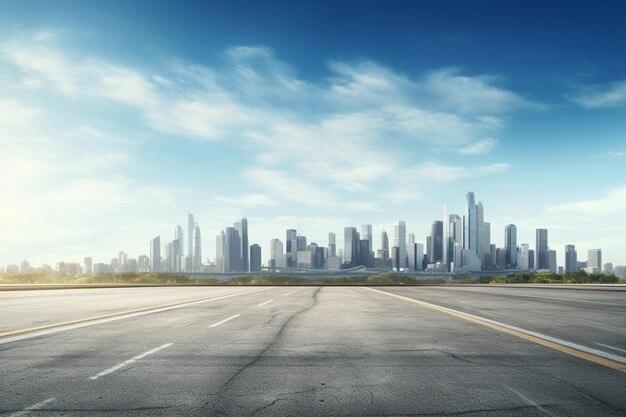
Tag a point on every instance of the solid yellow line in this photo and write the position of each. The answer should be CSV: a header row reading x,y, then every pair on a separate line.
x,y
120,313
565,349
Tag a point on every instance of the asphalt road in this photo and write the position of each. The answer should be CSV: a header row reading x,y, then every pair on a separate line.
x,y
245,351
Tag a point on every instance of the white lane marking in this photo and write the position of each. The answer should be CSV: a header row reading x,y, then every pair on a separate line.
x,y
225,320
265,303
130,361
289,293
582,348
611,347
33,407
52,330
529,401
533,296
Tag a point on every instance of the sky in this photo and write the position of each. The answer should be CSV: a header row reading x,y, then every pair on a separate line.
x,y
119,118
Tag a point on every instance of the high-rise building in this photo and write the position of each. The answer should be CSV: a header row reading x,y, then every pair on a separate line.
x,y
255,258
291,245
350,246
483,240
571,259
435,250
88,265
608,267
242,228
191,224
399,240
552,261
594,260
470,224
197,249
180,235
232,250
510,245
541,249
332,247
531,259
523,256
366,235
276,253
220,241
155,254
384,246
455,237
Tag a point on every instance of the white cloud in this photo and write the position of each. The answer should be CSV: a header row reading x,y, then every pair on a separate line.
x,y
480,147
614,202
249,200
609,155
610,95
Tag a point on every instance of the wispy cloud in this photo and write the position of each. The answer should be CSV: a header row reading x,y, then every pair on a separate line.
x,y
612,203
596,96
609,155
480,147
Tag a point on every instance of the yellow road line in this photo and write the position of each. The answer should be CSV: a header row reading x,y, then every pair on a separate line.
x,y
103,316
553,345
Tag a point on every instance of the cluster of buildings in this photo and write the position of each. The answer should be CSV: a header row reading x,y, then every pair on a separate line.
x,y
456,244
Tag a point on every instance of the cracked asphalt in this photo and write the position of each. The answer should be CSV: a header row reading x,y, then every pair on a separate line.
x,y
318,351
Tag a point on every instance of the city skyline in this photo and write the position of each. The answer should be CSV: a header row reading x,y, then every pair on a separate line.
x,y
460,244
107,136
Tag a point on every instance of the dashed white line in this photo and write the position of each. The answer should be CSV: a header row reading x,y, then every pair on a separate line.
x,y
225,320
130,361
611,347
33,407
265,303
289,293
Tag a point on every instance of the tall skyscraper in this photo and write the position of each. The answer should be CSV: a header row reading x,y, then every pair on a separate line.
x,y
220,241
399,240
350,246
510,245
470,224
180,235
255,258
594,260
332,246
191,224
291,245
88,265
571,259
232,250
552,261
242,228
197,249
276,253
483,241
541,249
155,254
435,251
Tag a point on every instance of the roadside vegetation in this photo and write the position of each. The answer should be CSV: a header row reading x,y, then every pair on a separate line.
x,y
51,278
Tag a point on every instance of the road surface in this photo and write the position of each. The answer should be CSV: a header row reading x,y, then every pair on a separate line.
x,y
248,351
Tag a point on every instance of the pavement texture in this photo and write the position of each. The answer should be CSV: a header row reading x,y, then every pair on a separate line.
x,y
303,351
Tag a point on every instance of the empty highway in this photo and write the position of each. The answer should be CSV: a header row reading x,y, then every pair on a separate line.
x,y
282,351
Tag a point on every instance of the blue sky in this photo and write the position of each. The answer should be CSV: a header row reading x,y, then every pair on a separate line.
x,y
116,118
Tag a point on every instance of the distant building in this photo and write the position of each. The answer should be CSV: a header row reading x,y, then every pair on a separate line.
x,y
510,245
435,248
276,254
242,228
620,271
400,243
88,265
332,247
255,258
24,266
552,261
541,249
608,268
571,261
155,254
350,246
197,249
594,260
12,269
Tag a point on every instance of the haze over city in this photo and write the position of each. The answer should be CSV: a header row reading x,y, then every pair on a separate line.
x,y
118,119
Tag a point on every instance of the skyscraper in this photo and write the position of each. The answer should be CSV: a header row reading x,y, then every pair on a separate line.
x,y
255,258
594,260
400,242
291,245
435,251
197,249
276,253
552,261
470,226
541,249
242,228
191,224
155,254
483,242
232,250
510,245
88,265
219,252
571,259
332,247
350,246
180,235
